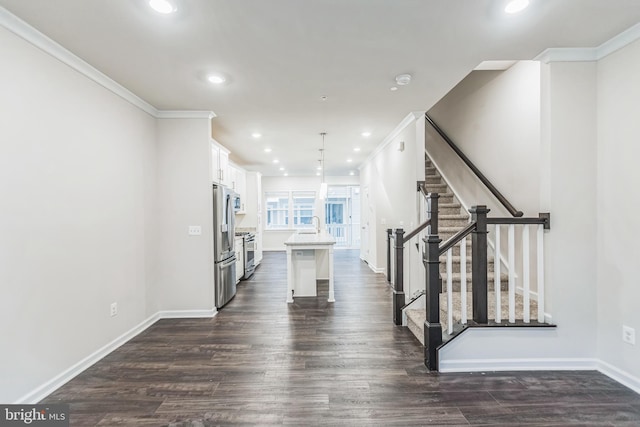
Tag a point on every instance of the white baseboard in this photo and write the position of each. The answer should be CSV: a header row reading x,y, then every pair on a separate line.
x,y
480,365
377,270
569,364
620,376
67,375
186,314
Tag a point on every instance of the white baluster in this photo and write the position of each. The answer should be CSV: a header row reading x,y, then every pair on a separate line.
x,y
512,274
449,292
540,259
526,285
463,279
496,274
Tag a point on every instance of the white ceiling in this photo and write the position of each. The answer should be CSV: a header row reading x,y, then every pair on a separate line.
x,y
281,56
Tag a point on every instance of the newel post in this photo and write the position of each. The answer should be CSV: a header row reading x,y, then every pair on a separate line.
x,y
389,231
398,273
479,264
431,261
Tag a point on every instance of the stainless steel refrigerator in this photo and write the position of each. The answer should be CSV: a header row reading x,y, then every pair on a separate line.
x,y
223,243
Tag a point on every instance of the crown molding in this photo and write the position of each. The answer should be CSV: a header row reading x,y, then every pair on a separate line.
x,y
586,54
567,54
31,35
623,39
410,118
185,114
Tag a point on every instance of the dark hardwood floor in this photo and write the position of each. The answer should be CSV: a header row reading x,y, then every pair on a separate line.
x,y
263,362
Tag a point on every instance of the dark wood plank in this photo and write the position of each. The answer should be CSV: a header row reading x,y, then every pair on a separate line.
x,y
261,361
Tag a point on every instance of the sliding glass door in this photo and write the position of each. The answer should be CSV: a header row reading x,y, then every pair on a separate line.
x,y
342,215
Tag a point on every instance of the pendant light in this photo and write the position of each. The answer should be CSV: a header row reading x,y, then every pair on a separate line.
x,y
323,184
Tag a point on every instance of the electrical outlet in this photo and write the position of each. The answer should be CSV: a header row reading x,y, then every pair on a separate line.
x,y
114,309
628,335
195,230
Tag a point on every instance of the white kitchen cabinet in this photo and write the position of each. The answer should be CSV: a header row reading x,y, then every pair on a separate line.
x,y
219,163
224,167
215,163
257,257
239,242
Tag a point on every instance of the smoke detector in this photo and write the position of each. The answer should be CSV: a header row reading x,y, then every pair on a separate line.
x,y
403,79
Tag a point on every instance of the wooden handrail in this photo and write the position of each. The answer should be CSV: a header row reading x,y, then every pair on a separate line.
x,y
513,211
544,218
457,237
416,231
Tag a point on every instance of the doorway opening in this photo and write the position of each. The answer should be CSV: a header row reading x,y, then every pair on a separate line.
x,y
342,215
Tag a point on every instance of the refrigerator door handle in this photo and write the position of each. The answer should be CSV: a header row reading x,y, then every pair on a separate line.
x,y
229,262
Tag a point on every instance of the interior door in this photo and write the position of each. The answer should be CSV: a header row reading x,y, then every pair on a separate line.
x,y
364,225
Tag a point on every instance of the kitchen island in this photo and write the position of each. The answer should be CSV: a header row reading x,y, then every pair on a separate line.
x,y
309,258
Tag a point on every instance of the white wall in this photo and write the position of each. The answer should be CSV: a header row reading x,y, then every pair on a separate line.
x,y
390,177
185,197
567,191
494,117
618,203
77,190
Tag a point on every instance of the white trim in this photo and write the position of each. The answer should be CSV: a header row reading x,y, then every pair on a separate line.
x,y
564,54
619,375
67,375
44,43
187,314
31,35
377,270
185,114
567,54
550,364
623,39
410,118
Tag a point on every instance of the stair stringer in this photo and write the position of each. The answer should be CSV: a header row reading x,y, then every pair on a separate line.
x,y
508,348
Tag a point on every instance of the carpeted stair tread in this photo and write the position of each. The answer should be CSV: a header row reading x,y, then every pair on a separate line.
x,y
416,317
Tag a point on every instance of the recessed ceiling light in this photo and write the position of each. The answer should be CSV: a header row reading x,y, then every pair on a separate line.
x,y
162,6
267,150
356,149
403,79
394,88
281,168
349,160
276,161
286,174
216,79
366,134
516,6
352,173
319,168
317,173
256,135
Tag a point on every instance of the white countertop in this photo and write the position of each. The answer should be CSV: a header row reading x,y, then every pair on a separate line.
x,y
310,239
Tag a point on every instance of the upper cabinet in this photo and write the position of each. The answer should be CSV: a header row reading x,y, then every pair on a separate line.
x,y
238,181
219,163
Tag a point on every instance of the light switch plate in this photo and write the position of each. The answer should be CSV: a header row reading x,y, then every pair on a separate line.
x,y
195,230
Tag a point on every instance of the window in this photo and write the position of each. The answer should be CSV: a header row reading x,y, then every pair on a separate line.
x,y
281,206
277,210
304,204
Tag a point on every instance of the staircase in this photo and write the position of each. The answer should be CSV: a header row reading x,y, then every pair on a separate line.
x,y
453,218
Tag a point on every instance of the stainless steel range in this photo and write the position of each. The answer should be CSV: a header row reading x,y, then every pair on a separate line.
x,y
249,245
